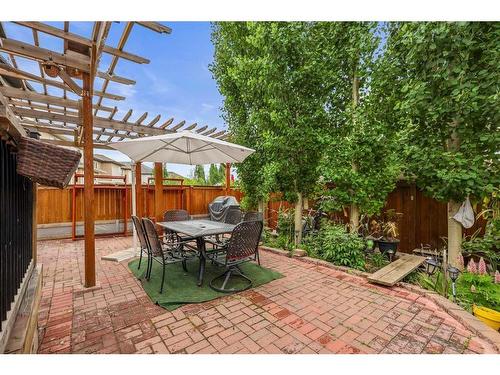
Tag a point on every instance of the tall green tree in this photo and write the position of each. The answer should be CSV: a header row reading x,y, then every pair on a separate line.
x,y
272,77
447,79
199,175
361,149
215,177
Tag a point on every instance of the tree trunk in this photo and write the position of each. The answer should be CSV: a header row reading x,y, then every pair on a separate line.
x,y
354,211
306,203
454,227
262,208
454,234
298,220
354,218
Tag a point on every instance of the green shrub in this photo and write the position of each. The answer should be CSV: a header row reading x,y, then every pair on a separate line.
x,y
376,261
484,292
286,224
334,244
487,246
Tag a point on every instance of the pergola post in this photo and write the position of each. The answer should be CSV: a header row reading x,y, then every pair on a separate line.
x,y
228,178
88,154
159,191
138,189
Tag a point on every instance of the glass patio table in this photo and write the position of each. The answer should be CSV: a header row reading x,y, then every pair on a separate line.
x,y
198,229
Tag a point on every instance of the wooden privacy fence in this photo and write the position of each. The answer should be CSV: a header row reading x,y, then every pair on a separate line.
x,y
423,220
113,202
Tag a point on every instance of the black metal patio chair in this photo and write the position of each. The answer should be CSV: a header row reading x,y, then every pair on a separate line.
x,y
171,250
240,248
233,216
178,215
143,243
253,216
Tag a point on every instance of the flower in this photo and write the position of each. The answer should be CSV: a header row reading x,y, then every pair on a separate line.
x,y
473,289
471,267
497,277
460,262
482,267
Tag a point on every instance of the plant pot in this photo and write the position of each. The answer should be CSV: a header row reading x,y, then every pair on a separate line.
x,y
369,246
385,246
487,316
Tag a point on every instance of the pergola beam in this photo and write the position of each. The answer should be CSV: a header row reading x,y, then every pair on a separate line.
x,y
52,129
22,49
47,99
155,26
54,31
115,78
52,112
69,143
98,121
179,125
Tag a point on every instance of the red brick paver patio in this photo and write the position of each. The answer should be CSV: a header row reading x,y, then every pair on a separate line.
x,y
313,309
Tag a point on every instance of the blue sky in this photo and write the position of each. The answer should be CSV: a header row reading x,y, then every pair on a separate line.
x,y
176,83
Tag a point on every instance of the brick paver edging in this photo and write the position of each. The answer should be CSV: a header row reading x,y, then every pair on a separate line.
x,y
464,317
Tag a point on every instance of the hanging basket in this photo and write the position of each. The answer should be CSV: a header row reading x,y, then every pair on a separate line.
x,y
46,164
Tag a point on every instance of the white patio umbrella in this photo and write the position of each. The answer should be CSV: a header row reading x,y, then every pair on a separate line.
x,y
182,147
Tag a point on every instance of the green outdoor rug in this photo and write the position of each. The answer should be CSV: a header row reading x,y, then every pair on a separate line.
x,y
180,287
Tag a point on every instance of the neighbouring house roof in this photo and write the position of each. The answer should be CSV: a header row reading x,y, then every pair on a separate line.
x,y
144,168
175,175
105,159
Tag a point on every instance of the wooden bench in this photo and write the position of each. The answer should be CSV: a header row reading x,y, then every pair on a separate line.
x,y
397,270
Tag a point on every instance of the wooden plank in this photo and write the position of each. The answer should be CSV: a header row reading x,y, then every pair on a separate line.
x,y
18,48
396,270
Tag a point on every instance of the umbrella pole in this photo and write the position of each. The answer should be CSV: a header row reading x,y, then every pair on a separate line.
x,y
134,209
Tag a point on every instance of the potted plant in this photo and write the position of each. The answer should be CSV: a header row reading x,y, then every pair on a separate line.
x,y
385,233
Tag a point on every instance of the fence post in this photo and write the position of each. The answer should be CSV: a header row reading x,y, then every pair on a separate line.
x,y
158,191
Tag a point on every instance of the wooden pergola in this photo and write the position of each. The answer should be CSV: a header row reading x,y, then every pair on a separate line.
x,y
78,116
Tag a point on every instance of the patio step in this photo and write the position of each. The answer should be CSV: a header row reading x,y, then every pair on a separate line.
x,y
397,270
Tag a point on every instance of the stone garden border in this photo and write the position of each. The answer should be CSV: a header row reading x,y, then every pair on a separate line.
x,y
455,311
